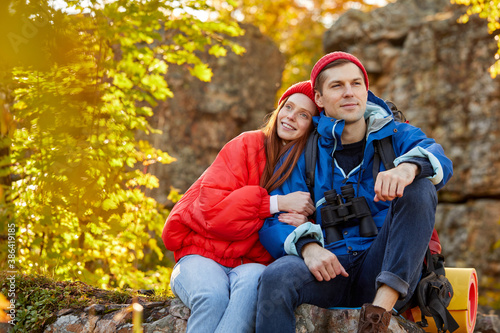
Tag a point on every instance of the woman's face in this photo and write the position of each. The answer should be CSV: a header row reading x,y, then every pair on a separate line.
x,y
295,117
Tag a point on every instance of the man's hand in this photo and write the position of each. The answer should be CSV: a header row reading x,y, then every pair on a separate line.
x,y
294,219
391,183
323,264
296,202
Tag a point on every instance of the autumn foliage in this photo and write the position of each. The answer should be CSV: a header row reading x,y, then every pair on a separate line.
x,y
76,87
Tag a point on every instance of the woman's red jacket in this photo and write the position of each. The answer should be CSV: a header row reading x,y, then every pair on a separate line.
x,y
221,213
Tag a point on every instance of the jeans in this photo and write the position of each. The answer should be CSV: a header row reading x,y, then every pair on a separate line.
x,y
221,299
395,258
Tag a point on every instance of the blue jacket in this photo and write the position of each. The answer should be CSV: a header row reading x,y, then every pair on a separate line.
x,y
409,143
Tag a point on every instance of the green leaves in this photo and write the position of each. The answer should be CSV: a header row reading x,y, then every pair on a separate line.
x,y
69,135
202,72
218,51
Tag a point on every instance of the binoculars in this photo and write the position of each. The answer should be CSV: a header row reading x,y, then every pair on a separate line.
x,y
343,210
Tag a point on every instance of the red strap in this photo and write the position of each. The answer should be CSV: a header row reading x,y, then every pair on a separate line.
x,y
435,244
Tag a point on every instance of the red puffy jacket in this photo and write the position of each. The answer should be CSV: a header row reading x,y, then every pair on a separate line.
x,y
221,213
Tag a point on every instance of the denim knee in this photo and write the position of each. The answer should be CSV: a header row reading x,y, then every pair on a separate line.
x,y
248,274
211,299
420,191
281,273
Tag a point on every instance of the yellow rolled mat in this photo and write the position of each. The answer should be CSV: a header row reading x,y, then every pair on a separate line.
x,y
463,305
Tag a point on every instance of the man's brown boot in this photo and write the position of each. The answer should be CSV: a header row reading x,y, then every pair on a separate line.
x,y
373,319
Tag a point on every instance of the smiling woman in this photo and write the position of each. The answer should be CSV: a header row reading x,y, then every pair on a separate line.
x,y
294,118
213,229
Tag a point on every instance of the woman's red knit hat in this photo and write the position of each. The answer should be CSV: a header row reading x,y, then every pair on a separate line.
x,y
330,57
304,87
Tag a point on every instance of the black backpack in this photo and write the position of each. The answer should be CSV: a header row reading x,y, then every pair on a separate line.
x,y
433,295
434,292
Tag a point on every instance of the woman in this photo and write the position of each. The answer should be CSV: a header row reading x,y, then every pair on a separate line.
x,y
213,229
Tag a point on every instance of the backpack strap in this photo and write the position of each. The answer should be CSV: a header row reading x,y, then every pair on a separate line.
x,y
384,152
442,317
311,155
434,293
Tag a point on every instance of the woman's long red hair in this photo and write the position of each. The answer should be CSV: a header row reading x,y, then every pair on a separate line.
x,y
275,150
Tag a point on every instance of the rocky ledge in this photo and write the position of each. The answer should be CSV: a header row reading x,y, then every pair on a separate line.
x,y
171,316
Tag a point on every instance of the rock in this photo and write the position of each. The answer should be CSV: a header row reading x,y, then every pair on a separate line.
x,y
5,327
471,232
174,315
487,323
312,319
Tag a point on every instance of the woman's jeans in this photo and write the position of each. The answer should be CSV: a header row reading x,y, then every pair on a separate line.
x,y
395,258
221,299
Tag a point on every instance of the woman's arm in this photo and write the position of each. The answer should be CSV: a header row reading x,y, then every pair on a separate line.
x,y
274,233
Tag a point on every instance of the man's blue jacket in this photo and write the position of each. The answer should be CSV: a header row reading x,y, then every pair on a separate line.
x,y
409,143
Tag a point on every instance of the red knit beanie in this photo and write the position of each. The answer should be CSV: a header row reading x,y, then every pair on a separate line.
x,y
303,87
330,57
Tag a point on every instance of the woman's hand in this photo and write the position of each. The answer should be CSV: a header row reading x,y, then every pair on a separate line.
x,y
296,202
292,219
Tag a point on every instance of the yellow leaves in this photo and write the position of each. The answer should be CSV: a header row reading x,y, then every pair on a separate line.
x,y
149,155
122,81
238,49
153,244
158,66
157,85
489,10
233,31
495,69
109,204
218,51
174,194
202,72
189,32
82,197
486,9
116,162
4,305
7,124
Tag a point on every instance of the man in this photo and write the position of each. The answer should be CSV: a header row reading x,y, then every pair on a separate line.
x,y
353,267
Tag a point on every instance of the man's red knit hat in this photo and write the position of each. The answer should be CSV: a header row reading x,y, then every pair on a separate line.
x,y
330,57
304,87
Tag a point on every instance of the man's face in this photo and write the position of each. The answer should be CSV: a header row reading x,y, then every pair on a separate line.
x,y
344,93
